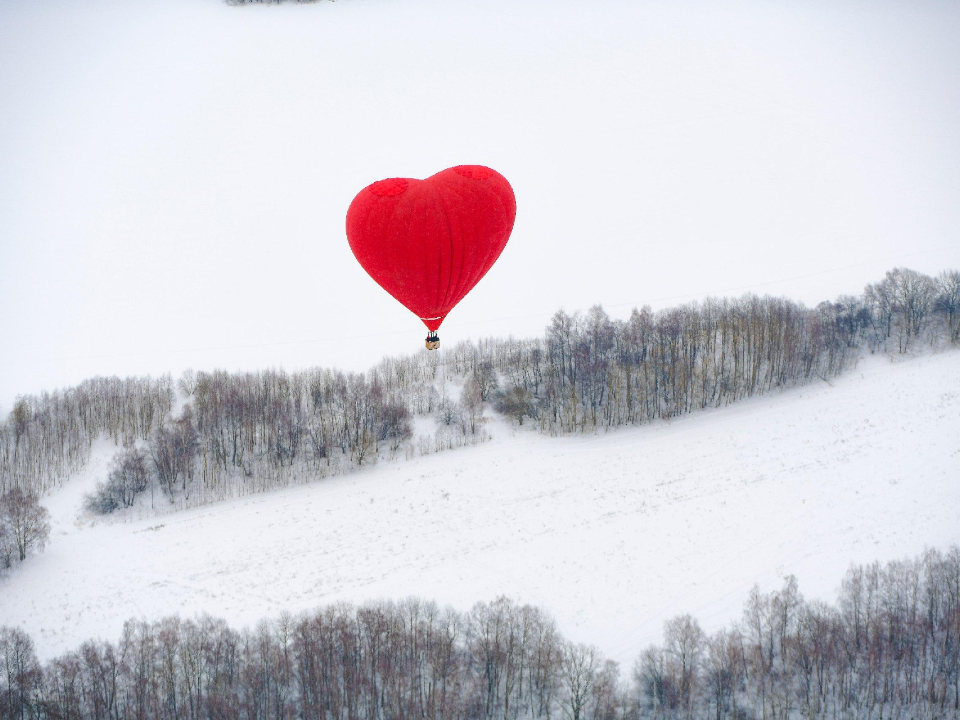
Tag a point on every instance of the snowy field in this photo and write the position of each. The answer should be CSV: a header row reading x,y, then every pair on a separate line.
x,y
613,533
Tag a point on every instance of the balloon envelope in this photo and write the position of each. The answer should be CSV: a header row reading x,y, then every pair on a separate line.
x,y
428,242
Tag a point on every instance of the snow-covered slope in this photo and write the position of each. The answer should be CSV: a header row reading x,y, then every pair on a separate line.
x,y
612,533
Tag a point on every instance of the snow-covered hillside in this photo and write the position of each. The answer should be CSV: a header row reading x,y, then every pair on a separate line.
x,y
612,533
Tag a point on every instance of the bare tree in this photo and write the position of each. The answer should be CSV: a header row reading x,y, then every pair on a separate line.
x,y
948,301
905,299
471,405
650,681
26,520
20,674
685,642
8,547
187,384
581,664
485,378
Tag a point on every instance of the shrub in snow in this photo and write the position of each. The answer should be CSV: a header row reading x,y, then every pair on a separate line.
x,y
517,402
128,477
101,501
449,413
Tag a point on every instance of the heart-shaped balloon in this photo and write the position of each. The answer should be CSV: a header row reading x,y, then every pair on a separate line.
x,y
428,242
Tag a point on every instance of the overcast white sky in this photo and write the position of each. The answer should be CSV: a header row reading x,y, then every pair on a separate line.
x,y
174,175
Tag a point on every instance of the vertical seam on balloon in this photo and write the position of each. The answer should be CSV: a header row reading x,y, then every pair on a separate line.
x,y
460,292
451,282
504,205
456,295
451,297
491,254
394,208
480,265
449,242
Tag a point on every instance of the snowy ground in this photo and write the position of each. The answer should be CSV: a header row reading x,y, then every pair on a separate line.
x,y
613,533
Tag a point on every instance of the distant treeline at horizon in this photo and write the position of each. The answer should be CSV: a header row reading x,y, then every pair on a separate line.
x,y
268,2
245,432
888,648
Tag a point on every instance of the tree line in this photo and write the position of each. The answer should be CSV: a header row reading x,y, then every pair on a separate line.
x,y
888,648
239,433
267,2
46,438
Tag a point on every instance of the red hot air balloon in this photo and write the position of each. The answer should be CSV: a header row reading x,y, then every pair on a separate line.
x,y
428,242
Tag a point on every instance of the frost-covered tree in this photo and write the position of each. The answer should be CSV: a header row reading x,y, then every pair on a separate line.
x,y
685,642
578,672
25,520
20,674
903,302
948,301
8,547
471,405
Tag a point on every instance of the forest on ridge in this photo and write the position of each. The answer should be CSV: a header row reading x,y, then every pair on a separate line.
x,y
213,435
888,648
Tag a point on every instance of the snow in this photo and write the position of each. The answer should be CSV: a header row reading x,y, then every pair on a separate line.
x,y
613,533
